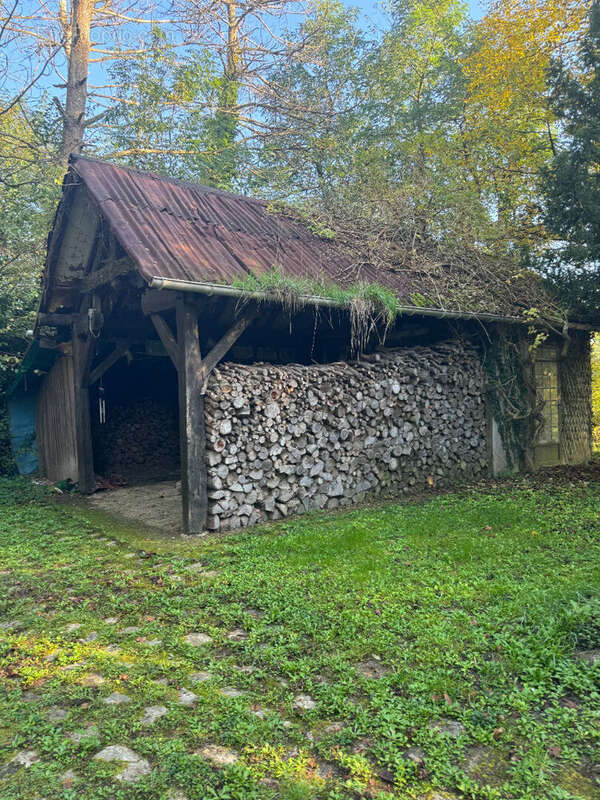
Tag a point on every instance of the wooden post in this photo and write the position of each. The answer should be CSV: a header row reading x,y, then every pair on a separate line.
x,y
191,419
83,353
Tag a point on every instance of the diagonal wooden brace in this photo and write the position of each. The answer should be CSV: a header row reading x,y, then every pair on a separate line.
x,y
108,362
225,343
167,338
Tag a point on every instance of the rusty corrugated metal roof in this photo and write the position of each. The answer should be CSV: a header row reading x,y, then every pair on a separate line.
x,y
175,229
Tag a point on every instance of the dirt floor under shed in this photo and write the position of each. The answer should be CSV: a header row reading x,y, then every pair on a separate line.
x,y
157,505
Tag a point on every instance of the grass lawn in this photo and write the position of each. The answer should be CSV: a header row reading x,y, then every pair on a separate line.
x,y
430,650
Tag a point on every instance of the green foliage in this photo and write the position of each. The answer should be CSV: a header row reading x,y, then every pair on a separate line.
x,y
571,187
373,135
473,606
20,490
29,187
316,116
369,304
172,117
508,393
418,299
582,623
595,355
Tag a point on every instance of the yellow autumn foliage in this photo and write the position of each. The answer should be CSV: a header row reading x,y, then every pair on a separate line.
x,y
508,120
516,40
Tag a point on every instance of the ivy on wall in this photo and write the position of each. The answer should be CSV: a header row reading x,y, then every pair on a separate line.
x,y
508,392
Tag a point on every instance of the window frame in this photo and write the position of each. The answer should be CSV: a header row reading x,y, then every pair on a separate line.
x,y
546,375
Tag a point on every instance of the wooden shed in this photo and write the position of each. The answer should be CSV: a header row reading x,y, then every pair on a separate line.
x,y
146,292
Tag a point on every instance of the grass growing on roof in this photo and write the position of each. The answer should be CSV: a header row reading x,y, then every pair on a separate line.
x,y
293,289
370,304
472,609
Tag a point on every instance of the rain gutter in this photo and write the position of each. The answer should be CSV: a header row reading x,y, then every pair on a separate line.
x,y
211,289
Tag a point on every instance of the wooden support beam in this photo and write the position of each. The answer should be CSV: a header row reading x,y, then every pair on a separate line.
x,y
224,344
106,274
56,319
192,435
48,343
83,353
155,301
105,365
167,338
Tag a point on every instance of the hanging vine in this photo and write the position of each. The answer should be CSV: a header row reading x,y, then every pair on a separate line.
x,y
515,406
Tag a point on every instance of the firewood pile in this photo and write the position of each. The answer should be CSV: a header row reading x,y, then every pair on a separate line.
x,y
286,439
137,441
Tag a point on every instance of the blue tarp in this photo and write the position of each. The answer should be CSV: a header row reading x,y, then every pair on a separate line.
x,y
21,411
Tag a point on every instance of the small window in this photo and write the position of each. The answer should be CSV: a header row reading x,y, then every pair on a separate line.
x,y
547,385
546,379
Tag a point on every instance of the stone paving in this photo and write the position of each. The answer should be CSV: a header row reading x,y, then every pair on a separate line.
x,y
134,766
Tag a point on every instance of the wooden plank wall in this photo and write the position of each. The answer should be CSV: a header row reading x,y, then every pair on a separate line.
x,y
55,423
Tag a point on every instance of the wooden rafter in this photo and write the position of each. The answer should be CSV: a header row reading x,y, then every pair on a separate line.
x,y
57,319
106,273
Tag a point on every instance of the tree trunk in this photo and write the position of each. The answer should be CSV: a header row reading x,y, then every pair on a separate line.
x,y
78,51
233,43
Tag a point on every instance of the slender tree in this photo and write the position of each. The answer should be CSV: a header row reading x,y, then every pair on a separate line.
x,y
248,40
62,40
77,48
316,110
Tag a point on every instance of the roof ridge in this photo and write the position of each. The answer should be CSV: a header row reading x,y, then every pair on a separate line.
x,y
164,178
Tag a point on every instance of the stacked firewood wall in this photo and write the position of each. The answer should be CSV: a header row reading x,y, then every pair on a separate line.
x,y
283,440
138,441
576,401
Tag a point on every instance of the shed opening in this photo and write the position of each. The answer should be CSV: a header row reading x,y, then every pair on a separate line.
x,y
134,420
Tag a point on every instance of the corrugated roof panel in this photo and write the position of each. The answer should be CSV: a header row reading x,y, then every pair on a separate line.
x,y
170,246
178,230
